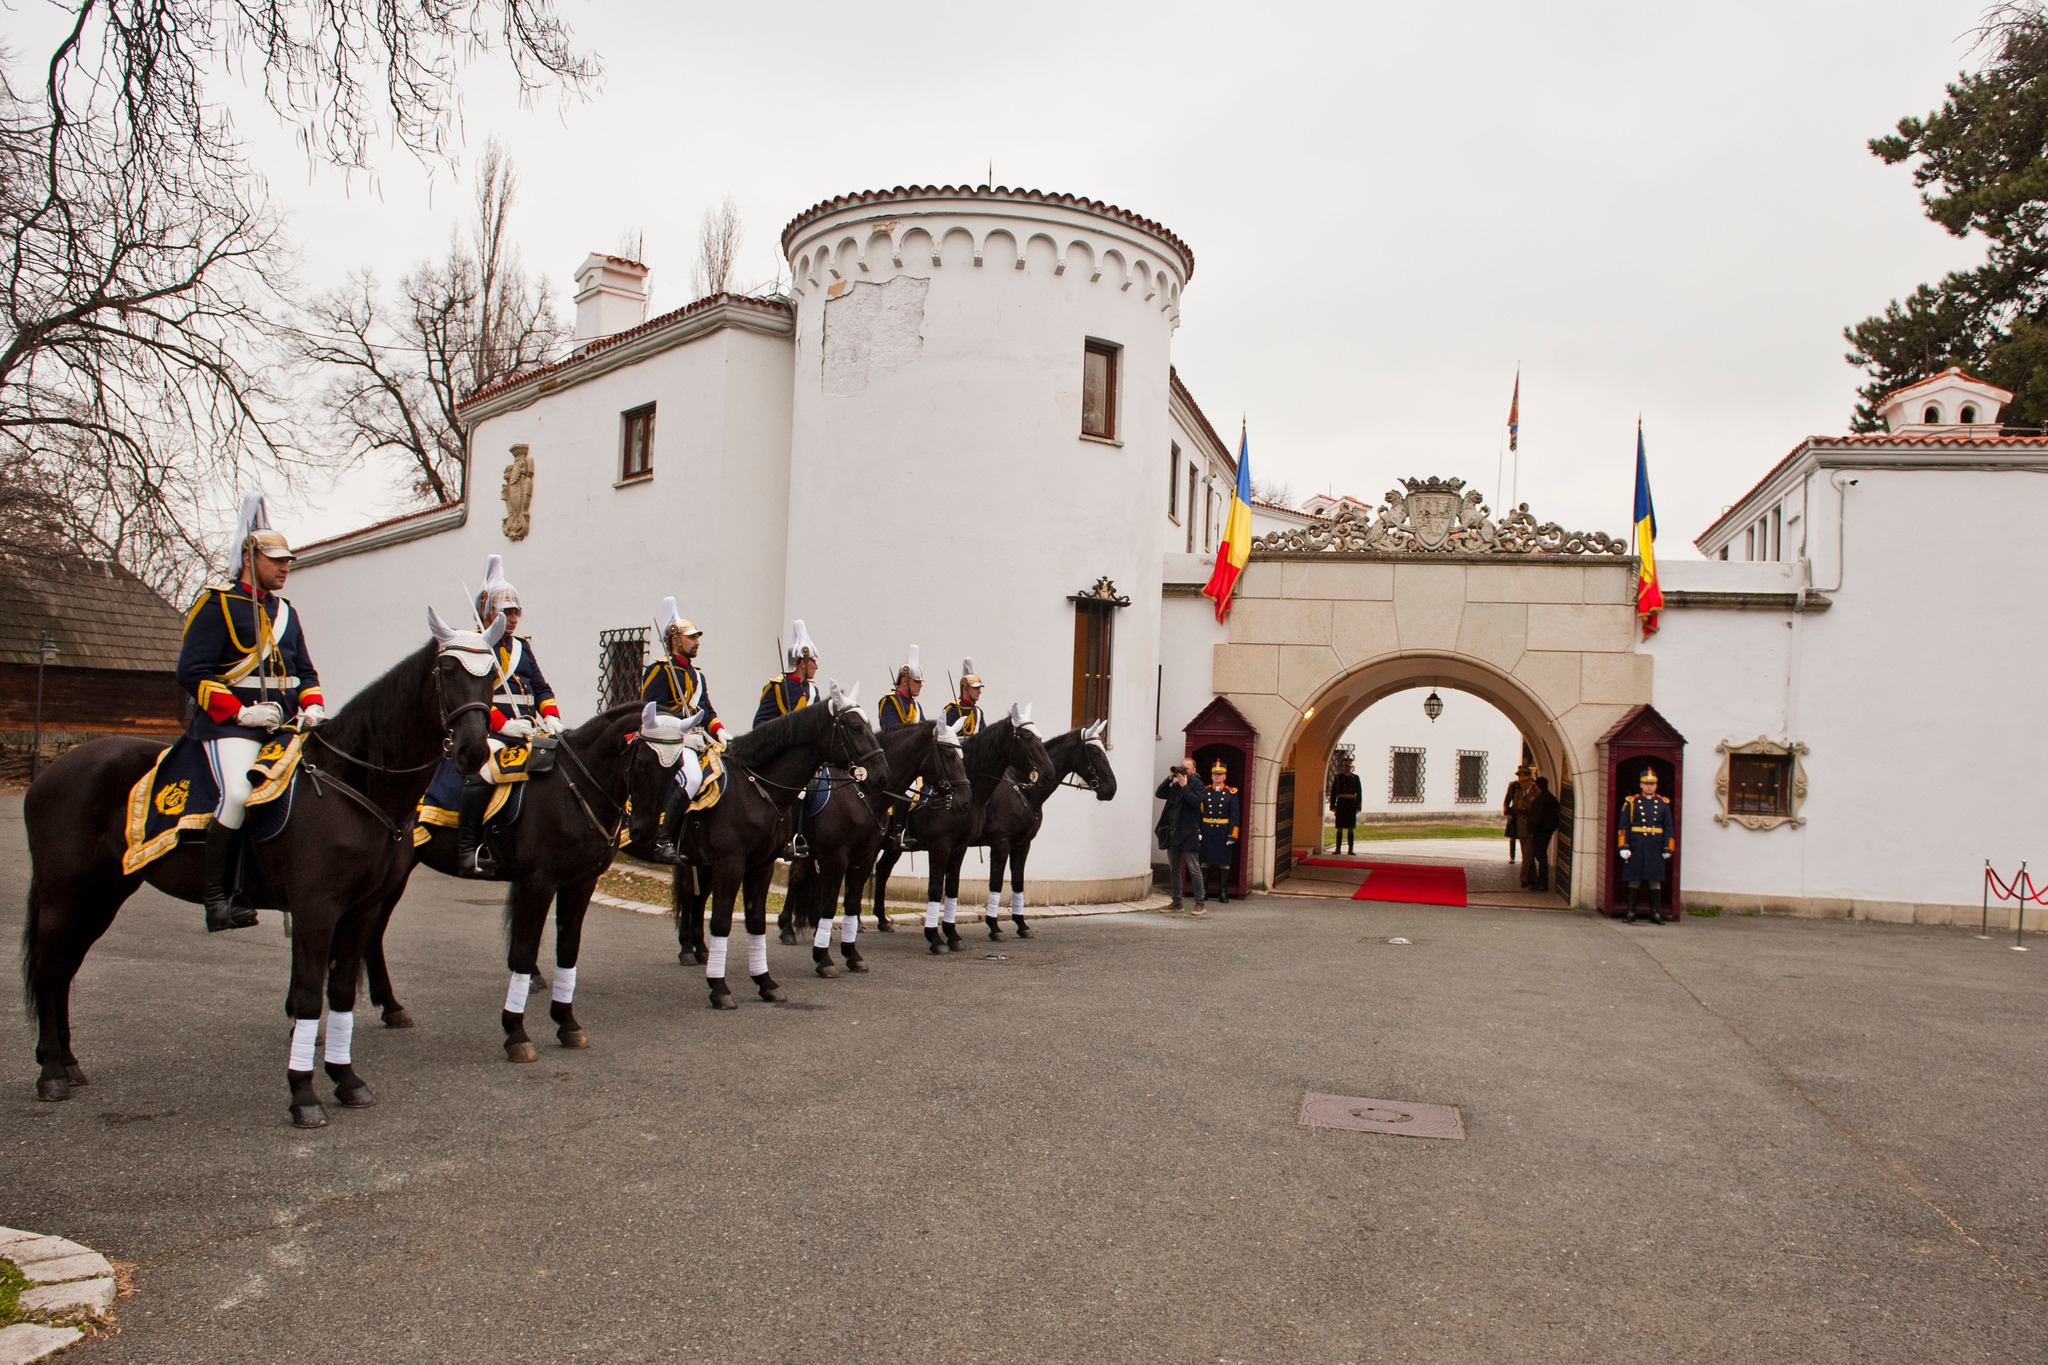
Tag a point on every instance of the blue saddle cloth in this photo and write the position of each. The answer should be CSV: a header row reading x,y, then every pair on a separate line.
x,y
443,801
175,799
819,792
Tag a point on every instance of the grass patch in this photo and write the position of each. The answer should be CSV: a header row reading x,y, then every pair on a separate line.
x,y
1703,911
12,1282
653,889
1750,914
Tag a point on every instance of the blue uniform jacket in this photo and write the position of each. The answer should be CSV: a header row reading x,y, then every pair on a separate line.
x,y
896,709
217,662
1646,833
1219,825
678,687
974,722
522,693
780,696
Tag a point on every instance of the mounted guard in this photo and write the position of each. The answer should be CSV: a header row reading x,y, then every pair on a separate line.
x,y
967,705
794,690
244,661
900,707
676,688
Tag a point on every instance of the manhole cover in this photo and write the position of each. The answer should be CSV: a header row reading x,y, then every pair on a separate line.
x,y
995,957
1403,1118
1392,942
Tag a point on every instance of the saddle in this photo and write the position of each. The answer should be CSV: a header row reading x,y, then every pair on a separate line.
x,y
713,785
177,795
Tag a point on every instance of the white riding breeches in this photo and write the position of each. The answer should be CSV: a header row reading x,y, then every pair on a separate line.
x,y
229,757
689,774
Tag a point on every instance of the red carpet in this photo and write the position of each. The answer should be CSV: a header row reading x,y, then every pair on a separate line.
x,y
1412,883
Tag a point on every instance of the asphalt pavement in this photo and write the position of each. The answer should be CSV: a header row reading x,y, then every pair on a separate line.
x,y
1731,1139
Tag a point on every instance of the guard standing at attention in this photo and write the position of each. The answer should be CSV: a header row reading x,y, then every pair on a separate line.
x,y
244,661
1219,827
676,685
1346,796
968,703
794,690
524,703
1647,842
900,707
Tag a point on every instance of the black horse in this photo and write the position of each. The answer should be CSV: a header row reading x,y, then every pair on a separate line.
x,y
1011,818
565,836
343,855
847,834
737,840
998,755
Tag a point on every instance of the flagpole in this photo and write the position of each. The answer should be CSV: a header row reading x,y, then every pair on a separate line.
x,y
1500,460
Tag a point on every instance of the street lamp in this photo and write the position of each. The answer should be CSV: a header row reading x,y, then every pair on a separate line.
x,y
46,650
1432,706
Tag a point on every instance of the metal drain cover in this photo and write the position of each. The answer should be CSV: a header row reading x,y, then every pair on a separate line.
x,y
1403,1118
995,957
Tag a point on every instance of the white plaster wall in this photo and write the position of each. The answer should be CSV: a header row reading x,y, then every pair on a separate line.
x,y
1917,692
1466,724
941,491
707,528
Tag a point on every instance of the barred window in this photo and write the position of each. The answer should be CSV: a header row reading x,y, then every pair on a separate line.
x,y
621,659
1404,774
1471,775
1760,784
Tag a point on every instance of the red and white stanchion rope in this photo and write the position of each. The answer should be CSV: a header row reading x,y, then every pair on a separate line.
x,y
2020,889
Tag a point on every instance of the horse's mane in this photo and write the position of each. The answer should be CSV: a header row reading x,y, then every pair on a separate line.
x,y
594,729
983,750
805,725
378,721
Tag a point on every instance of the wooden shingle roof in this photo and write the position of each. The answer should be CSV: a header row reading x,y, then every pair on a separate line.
x,y
101,616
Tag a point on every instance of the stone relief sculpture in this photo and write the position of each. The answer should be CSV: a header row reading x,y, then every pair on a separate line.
x,y
517,490
1437,516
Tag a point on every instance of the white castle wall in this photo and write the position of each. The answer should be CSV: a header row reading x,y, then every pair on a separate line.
x,y
1467,723
941,490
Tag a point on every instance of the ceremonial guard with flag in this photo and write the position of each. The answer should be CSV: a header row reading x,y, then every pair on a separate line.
x,y
244,661
900,706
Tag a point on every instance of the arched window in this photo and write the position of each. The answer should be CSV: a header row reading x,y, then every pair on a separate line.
x,y
1968,415
1932,417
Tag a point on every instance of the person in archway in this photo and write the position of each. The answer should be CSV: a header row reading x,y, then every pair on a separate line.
x,y
1647,841
1180,834
1219,828
1544,813
1513,827
1346,795
1520,797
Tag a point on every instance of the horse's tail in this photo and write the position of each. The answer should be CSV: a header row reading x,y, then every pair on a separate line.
x,y
31,952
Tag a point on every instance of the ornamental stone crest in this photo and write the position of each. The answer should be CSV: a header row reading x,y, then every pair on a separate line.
x,y
1436,516
517,490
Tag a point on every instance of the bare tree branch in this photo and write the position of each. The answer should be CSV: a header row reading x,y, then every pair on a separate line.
x,y
718,249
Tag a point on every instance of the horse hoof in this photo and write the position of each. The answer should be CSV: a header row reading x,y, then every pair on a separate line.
x,y
855,962
1023,931
954,945
573,1037
995,935
723,1001
770,991
75,1074
520,1052
309,1115
53,1089
788,937
826,970
398,1017
357,1096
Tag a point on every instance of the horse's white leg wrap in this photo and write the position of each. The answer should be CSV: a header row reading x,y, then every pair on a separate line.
x,y
995,904
757,954
823,938
849,928
230,757
714,961
305,1032
952,909
564,989
515,993
931,914
1016,902
341,1032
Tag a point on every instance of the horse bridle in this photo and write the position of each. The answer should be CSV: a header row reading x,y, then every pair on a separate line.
x,y
1086,783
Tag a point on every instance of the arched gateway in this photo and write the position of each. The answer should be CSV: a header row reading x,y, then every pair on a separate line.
x,y
1431,589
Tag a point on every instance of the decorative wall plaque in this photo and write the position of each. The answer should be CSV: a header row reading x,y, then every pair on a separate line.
x,y
1436,516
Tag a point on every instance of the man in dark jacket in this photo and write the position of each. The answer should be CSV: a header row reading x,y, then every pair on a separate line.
x,y
1543,820
1180,830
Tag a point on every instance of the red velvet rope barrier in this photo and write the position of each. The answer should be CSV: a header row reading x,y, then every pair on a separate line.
x,y
2022,887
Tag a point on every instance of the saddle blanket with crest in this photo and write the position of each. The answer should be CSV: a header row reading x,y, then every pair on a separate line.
x,y
177,795
711,785
509,765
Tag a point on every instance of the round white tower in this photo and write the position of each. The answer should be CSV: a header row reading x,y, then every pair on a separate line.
x,y
979,424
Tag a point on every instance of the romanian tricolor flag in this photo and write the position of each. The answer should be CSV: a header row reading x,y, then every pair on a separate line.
x,y
1515,413
1649,597
1236,546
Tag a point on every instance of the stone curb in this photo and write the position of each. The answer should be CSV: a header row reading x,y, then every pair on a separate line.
x,y
66,1281
1152,902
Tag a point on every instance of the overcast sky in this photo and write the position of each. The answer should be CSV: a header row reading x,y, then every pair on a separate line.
x,y
1664,210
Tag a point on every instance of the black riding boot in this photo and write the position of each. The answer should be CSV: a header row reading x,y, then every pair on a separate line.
x,y
1656,913
471,858
1632,886
670,839
223,860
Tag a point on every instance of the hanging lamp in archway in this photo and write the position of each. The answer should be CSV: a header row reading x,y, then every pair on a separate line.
x,y
1432,706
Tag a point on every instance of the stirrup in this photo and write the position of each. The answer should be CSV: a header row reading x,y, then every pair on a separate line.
x,y
799,847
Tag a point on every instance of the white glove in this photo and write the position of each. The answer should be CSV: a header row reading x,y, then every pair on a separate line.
x,y
516,728
1624,855
313,716
264,715
552,724
1667,855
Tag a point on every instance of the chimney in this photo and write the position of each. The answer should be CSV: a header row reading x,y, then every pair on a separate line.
x,y
611,296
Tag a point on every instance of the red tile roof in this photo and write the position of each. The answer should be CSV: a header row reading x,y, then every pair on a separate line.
x,y
1953,371
377,526
606,343
997,192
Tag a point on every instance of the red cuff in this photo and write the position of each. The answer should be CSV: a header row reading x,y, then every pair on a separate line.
x,y
497,720
548,708
311,697
715,727
224,707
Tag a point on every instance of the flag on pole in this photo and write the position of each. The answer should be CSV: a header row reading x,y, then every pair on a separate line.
x,y
1515,412
1236,546
1649,597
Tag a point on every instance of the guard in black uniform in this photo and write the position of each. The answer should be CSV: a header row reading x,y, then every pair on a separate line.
x,y
676,685
1647,841
793,690
244,661
967,706
1346,795
901,707
1219,827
